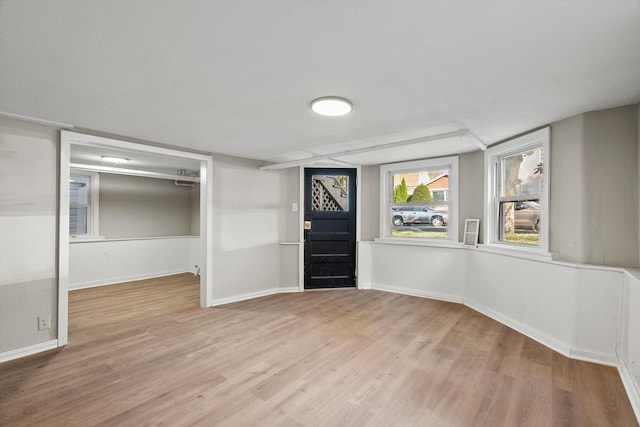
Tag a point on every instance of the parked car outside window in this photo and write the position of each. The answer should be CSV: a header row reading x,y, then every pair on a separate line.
x,y
527,215
418,215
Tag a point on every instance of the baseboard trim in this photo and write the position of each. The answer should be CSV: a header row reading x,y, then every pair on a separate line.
x,y
587,356
632,388
543,339
28,350
252,295
122,279
415,293
288,290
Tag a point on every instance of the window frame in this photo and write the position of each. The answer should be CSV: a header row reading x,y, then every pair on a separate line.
x,y
93,206
386,197
493,157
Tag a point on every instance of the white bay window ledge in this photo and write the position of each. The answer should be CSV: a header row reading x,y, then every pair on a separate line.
x,y
415,242
516,251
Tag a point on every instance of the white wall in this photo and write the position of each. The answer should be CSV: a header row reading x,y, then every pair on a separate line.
x,y
630,331
369,182
567,189
106,262
585,312
28,231
572,308
417,270
135,206
194,210
471,188
247,208
610,178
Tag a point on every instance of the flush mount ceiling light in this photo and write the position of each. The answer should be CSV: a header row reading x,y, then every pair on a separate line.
x,y
331,106
114,160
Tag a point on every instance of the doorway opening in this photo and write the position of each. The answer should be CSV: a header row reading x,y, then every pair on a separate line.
x,y
191,173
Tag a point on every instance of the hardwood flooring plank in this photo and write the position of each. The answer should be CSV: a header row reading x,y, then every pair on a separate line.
x,y
144,353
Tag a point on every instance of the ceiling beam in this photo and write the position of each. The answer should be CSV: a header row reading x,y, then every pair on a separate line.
x,y
397,144
36,120
134,172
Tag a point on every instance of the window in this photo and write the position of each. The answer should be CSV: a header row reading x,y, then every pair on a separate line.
x,y
419,199
83,204
330,193
518,190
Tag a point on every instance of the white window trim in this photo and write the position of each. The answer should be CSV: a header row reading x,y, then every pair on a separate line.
x,y
93,228
386,190
537,139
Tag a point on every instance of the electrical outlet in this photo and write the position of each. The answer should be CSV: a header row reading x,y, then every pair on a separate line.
x,y
44,322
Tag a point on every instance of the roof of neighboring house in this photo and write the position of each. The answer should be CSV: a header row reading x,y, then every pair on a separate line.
x,y
440,182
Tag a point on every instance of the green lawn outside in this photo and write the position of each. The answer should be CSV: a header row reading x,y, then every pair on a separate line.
x,y
411,233
526,239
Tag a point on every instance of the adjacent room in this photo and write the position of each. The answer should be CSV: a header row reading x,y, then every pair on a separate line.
x,y
319,213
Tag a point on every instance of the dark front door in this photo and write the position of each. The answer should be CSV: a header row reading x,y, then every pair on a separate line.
x,y
330,228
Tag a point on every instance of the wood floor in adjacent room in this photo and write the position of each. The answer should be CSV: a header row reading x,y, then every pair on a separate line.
x,y
144,353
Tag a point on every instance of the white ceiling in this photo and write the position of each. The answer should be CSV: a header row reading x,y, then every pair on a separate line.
x,y
237,77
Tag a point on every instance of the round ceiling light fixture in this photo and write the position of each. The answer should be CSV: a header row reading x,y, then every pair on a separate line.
x,y
333,106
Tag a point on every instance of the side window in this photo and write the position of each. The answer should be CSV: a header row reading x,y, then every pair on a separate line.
x,y
418,199
517,206
83,204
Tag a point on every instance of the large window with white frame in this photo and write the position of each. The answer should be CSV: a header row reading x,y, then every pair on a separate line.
x,y
419,199
83,204
517,202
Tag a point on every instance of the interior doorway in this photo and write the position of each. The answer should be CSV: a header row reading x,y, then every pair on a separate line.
x,y
150,154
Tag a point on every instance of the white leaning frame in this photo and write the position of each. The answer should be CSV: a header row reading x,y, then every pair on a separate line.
x,y
471,229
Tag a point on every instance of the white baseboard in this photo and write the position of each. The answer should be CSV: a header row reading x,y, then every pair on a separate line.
x,y
588,356
28,350
543,339
252,295
416,293
122,279
288,289
631,387
546,340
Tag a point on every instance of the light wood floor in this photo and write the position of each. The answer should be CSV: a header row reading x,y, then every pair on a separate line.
x,y
144,353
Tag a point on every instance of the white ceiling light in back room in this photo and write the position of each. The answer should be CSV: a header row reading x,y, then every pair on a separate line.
x,y
332,106
114,160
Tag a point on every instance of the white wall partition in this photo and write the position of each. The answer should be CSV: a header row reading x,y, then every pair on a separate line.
x,y
584,312
28,247
246,222
630,343
572,308
104,262
418,270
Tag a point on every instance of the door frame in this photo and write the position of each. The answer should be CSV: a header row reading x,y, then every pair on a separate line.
x,y
69,138
301,216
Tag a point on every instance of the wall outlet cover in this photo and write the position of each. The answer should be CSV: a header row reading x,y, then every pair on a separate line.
x,y
44,322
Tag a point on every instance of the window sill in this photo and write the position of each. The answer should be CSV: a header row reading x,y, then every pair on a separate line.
x,y
73,239
444,243
515,252
121,239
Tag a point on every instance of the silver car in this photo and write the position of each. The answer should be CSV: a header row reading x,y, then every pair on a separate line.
x,y
527,215
418,215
